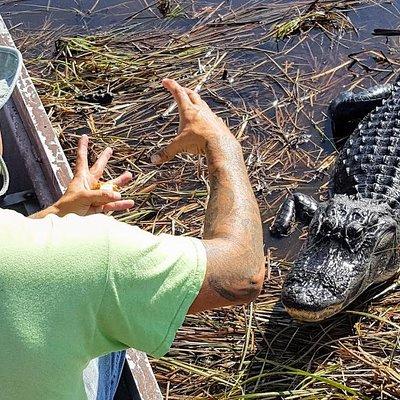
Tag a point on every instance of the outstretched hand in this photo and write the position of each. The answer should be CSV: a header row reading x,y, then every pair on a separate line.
x,y
198,125
83,197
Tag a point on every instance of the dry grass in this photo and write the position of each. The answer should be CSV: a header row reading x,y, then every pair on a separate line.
x,y
274,95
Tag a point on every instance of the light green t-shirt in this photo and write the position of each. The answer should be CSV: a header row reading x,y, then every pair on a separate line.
x,y
74,288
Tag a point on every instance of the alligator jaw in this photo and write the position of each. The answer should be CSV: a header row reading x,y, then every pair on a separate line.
x,y
314,316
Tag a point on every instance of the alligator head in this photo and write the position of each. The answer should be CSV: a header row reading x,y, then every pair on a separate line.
x,y
351,245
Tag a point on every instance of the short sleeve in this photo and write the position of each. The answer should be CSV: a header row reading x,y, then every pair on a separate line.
x,y
152,281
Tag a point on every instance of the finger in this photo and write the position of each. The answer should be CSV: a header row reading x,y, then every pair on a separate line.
x,y
82,154
168,152
95,210
102,197
194,97
179,93
97,168
122,180
204,104
118,205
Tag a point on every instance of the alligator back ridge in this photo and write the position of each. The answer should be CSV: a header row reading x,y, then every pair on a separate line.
x,y
368,166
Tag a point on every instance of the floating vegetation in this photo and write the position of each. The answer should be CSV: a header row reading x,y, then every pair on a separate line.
x,y
169,9
323,15
314,19
274,96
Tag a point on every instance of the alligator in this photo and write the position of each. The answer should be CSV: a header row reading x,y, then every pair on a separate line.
x,y
353,236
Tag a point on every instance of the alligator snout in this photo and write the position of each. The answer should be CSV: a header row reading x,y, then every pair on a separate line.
x,y
322,281
311,302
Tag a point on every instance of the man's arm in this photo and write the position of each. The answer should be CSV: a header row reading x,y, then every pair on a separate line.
x,y
233,235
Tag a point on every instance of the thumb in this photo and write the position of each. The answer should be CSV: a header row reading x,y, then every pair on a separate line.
x,y
169,151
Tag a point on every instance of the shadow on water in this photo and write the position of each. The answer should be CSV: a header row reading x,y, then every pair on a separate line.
x,y
292,351
292,346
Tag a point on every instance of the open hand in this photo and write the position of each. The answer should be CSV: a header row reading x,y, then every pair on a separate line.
x,y
198,125
82,196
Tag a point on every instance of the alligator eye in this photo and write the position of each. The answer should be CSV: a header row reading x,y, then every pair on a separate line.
x,y
354,230
373,219
357,215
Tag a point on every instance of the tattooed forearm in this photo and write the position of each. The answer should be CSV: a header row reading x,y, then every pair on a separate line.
x,y
232,231
233,217
220,206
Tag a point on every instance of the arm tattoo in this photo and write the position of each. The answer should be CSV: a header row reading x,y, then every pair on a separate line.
x,y
233,215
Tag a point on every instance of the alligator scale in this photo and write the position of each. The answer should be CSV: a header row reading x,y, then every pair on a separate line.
x,y
353,237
